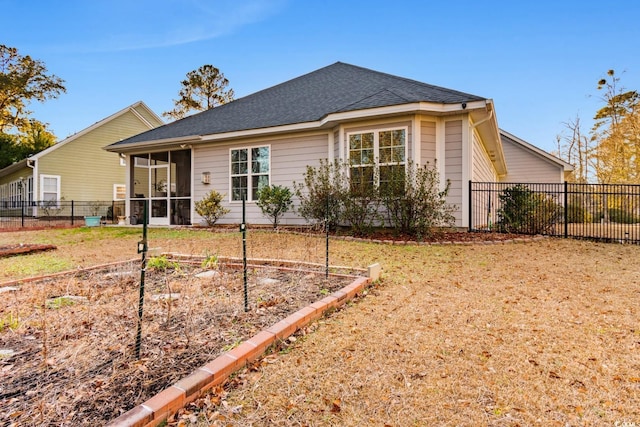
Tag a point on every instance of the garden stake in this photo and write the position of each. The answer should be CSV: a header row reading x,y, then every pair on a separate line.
x,y
142,249
243,228
327,232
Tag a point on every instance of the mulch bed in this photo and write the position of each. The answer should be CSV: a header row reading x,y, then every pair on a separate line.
x,y
23,249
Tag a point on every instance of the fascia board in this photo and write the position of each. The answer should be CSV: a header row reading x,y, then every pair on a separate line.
x,y
153,145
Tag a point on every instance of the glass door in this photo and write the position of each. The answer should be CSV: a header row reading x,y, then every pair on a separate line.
x,y
159,184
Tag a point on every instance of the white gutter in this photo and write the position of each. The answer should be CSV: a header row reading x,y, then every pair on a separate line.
x,y
486,119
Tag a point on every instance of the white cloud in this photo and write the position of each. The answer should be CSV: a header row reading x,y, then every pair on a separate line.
x,y
125,25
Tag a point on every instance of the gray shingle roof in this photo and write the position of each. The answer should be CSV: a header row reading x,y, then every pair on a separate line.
x,y
336,88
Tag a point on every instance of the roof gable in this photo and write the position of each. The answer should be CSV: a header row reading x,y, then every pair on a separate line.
x,y
131,108
504,135
336,88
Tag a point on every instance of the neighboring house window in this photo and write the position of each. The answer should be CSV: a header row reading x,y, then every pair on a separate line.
x,y
249,170
49,188
119,191
385,149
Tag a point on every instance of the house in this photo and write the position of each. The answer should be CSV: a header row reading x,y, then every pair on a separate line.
x,y
77,168
340,111
528,163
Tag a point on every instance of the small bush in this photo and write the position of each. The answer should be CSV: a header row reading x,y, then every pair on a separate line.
x,y
524,211
414,203
274,201
622,216
578,214
161,263
321,193
210,207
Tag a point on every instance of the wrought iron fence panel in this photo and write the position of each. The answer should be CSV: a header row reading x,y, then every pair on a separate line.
x,y
57,213
608,212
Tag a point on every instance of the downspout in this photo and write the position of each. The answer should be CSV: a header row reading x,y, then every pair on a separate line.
x,y
489,117
31,163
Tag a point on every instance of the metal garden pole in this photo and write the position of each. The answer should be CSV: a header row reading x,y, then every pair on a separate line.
x,y
142,249
72,212
243,228
326,226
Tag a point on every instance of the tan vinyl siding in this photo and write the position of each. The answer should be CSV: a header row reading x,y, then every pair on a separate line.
x,y
427,142
87,171
454,164
483,170
528,167
149,117
290,157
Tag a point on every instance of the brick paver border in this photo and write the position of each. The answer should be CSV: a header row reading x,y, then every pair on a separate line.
x,y
166,403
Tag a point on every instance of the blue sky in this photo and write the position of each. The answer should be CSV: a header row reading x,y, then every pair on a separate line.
x,y
539,61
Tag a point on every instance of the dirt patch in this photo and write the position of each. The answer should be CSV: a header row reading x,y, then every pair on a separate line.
x,y
69,343
22,249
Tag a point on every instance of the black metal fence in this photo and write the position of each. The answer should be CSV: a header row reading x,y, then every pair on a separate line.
x,y
607,212
58,213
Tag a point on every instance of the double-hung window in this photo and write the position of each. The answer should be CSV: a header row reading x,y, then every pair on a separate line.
x,y
50,189
377,158
249,172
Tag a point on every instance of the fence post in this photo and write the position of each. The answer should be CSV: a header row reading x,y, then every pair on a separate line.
x,y
72,214
566,210
22,213
470,207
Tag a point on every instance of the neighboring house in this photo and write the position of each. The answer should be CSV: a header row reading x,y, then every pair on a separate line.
x,y
528,163
337,112
77,168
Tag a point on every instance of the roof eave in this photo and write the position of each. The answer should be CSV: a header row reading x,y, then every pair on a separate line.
x,y
326,122
487,125
154,145
14,167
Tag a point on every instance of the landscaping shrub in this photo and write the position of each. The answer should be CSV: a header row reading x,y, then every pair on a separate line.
x,y
413,201
210,207
525,211
408,197
576,213
321,193
274,201
622,216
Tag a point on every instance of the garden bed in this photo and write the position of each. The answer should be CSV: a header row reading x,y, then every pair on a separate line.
x,y
67,344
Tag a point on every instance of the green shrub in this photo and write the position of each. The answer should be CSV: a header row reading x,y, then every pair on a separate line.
x,y
576,213
274,201
161,263
525,211
321,193
413,201
622,216
210,207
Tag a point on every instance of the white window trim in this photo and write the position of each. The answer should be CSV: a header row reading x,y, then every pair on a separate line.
x,y
376,146
249,174
115,191
42,178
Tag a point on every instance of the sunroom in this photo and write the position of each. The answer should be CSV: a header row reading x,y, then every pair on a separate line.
x,y
163,179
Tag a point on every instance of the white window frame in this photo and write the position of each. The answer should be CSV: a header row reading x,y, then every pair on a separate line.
x,y
376,148
42,178
115,191
249,174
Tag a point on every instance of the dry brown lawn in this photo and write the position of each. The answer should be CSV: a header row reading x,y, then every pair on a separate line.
x,y
538,333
